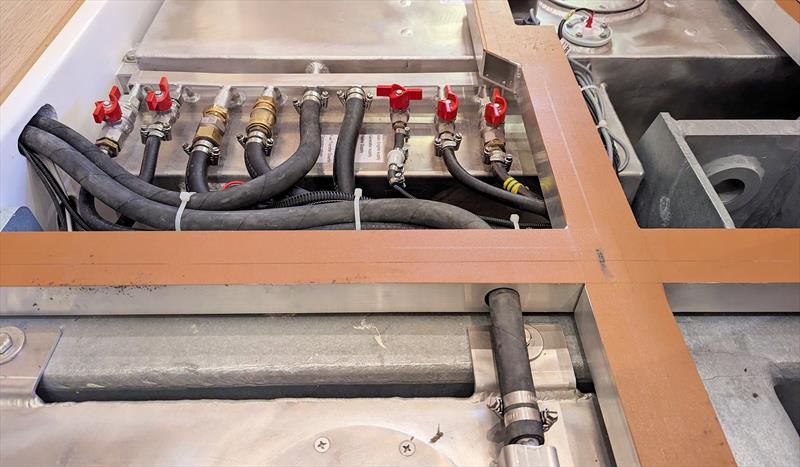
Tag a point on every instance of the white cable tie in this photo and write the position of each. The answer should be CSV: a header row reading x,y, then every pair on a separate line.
x,y
590,86
515,220
185,197
602,124
357,207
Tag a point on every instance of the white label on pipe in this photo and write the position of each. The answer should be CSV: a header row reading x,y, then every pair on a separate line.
x,y
369,148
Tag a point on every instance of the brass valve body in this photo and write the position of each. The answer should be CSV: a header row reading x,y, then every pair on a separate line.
x,y
263,115
212,125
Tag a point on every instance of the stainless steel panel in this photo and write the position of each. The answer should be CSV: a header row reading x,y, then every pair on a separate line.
x,y
733,298
780,25
283,37
282,432
696,59
619,434
299,298
685,28
422,161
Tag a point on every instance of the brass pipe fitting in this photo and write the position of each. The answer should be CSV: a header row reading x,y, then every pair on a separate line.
x,y
263,116
209,133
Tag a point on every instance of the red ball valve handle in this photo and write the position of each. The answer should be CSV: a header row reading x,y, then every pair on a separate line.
x,y
399,97
160,100
495,111
447,107
108,110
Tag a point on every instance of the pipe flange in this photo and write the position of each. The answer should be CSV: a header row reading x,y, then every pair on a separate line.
x,y
736,179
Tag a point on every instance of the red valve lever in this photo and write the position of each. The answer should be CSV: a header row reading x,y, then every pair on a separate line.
x,y
495,112
447,108
160,100
109,110
399,97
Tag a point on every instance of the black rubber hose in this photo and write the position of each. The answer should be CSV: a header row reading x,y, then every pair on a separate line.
x,y
244,196
344,158
257,163
534,205
255,159
489,220
93,219
399,140
513,367
60,199
197,172
500,172
314,197
161,216
147,172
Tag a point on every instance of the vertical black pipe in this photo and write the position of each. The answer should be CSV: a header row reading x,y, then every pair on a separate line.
x,y
521,415
344,178
197,172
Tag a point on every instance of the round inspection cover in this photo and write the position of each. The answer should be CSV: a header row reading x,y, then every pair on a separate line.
x,y
13,341
736,179
576,32
363,445
611,10
535,342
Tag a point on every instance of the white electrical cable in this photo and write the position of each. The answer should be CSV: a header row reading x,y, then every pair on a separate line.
x,y
185,197
69,220
357,207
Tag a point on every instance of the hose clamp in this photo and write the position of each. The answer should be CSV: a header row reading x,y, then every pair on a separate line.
x,y
320,98
517,414
162,130
519,397
496,155
256,136
204,146
447,140
355,92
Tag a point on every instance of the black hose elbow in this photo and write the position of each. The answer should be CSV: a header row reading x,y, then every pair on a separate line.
x,y
255,159
521,416
531,204
344,178
197,172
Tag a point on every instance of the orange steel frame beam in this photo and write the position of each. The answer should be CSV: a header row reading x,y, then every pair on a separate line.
x,y
668,413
